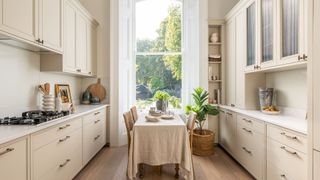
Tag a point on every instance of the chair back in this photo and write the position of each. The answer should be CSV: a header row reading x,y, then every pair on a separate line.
x,y
190,126
134,113
128,119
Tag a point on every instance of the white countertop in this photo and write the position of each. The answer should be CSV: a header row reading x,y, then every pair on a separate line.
x,y
293,120
11,132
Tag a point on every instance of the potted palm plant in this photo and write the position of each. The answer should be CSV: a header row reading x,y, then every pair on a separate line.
x,y
161,98
203,139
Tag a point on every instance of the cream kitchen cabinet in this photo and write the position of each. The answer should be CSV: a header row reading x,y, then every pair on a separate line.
x,y
38,22
251,34
231,62
80,43
227,130
14,160
316,165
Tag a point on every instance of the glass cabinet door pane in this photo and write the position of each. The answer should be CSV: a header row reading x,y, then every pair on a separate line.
x,y
267,30
251,34
290,27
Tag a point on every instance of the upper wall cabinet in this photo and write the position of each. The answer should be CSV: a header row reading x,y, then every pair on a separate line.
x,y
35,22
251,11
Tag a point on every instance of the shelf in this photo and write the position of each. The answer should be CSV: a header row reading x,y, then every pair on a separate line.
x,y
215,81
214,62
215,44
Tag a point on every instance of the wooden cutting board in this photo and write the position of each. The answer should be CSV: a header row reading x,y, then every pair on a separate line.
x,y
97,90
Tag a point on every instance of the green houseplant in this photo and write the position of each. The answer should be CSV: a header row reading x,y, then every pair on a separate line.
x,y
161,99
203,139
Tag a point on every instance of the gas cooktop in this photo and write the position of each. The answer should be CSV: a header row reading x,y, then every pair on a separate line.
x,y
33,117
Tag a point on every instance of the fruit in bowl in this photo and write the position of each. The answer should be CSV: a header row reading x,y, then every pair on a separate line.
x,y
270,110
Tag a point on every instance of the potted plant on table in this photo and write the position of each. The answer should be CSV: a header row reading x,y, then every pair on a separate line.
x,y
161,98
203,139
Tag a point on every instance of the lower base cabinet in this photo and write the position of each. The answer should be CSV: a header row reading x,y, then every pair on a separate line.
x,y
316,164
13,161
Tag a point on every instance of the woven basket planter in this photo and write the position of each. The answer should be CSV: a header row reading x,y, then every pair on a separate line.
x,y
203,144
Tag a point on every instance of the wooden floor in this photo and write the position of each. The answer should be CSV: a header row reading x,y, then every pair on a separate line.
x,y
111,164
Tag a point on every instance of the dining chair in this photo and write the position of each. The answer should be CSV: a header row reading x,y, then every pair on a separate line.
x,y
190,126
128,119
134,113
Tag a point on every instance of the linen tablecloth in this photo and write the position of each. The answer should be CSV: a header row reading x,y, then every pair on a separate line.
x,y
160,143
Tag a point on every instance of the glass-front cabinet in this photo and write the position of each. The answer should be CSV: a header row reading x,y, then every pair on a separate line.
x,y
292,31
251,26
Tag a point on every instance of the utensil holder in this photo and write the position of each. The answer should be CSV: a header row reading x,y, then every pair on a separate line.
x,y
48,103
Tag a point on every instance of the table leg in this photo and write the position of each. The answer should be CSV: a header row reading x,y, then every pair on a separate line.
x,y
141,173
177,171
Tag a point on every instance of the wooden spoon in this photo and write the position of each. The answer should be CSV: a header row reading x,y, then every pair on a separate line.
x,y
47,88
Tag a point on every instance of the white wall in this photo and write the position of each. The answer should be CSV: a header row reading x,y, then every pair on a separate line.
x,y
291,87
217,9
19,77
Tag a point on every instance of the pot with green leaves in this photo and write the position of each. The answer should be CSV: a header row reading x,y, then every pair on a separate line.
x,y
203,139
161,98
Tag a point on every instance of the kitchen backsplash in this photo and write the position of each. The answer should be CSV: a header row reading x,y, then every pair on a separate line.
x,y
19,76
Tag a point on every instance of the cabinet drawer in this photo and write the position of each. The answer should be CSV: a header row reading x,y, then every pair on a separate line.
x,y
13,161
97,115
251,156
48,135
251,123
93,141
288,138
292,162
48,158
274,173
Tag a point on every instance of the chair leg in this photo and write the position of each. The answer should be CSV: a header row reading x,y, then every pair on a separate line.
x,y
141,173
177,171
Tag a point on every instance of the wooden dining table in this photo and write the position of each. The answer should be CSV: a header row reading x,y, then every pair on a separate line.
x,y
160,143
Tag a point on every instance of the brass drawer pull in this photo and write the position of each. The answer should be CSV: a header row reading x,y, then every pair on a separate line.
x,y
246,150
97,121
221,111
245,129
65,163
96,113
64,139
283,176
6,151
288,151
229,114
96,137
247,120
63,127
290,137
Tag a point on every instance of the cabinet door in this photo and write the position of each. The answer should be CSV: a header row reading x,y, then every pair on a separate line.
x,y
81,43
18,18
50,23
69,54
92,50
316,165
267,30
251,31
231,63
291,30
228,132
13,161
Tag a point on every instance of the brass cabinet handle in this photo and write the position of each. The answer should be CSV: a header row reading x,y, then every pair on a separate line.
x,y
288,151
90,72
38,40
283,176
64,139
65,163
232,105
229,114
97,137
247,120
63,127
97,121
246,150
290,137
247,130
96,113
6,151
221,111
78,70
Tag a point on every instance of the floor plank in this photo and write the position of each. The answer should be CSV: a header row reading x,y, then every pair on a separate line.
x,y
111,164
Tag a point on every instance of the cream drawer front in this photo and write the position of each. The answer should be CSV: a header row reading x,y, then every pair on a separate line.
x,y
251,123
48,135
93,141
274,173
251,151
13,161
97,115
289,160
49,157
288,138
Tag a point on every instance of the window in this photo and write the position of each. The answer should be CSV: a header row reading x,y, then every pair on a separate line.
x,y
158,50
